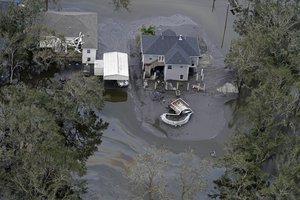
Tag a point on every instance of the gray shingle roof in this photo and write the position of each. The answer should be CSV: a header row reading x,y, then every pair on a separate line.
x,y
175,51
169,32
70,24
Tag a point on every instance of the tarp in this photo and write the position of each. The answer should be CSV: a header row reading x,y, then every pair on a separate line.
x,y
115,66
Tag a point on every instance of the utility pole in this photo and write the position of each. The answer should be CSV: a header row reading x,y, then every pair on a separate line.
x,y
225,26
213,6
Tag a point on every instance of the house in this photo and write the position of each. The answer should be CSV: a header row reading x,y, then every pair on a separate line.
x,y
113,67
74,26
174,56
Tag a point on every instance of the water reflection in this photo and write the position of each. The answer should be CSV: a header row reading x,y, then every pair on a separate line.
x,y
115,95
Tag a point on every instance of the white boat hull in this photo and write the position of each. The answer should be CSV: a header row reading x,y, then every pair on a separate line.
x,y
164,118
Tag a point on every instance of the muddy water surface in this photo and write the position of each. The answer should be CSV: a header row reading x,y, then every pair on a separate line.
x,y
128,133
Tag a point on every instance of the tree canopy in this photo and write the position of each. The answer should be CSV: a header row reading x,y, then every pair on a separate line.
x,y
150,30
147,177
21,32
263,156
46,135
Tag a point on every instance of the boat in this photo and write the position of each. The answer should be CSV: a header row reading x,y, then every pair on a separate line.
x,y
181,115
177,119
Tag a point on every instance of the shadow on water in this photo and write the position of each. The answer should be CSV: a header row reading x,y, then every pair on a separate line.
x,y
112,93
115,95
53,74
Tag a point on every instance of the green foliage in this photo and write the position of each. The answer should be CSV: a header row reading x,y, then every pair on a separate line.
x,y
262,161
150,30
46,135
269,37
21,33
121,4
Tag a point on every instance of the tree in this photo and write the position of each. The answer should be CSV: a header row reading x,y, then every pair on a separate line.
x,y
150,30
269,35
266,145
15,23
146,175
22,54
192,179
33,154
46,141
121,4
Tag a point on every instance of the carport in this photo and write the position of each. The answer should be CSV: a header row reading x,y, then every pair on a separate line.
x,y
115,66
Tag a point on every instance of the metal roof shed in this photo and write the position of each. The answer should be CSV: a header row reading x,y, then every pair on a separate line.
x,y
115,66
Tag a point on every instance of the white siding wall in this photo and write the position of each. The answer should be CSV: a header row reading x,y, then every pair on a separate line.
x,y
98,68
176,72
91,55
194,60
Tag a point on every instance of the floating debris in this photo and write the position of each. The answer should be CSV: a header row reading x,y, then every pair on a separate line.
x,y
228,88
182,113
157,96
213,154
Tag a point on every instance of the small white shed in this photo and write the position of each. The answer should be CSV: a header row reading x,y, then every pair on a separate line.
x,y
115,66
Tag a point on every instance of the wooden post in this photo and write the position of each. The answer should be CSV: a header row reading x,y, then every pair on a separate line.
x,y
155,85
177,85
197,76
188,87
225,26
154,76
166,86
144,75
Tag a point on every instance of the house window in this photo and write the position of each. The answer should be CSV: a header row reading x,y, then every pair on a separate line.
x,y
150,58
88,59
169,66
181,76
88,51
181,66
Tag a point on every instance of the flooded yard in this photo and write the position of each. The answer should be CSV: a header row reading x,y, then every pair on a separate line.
x,y
132,115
